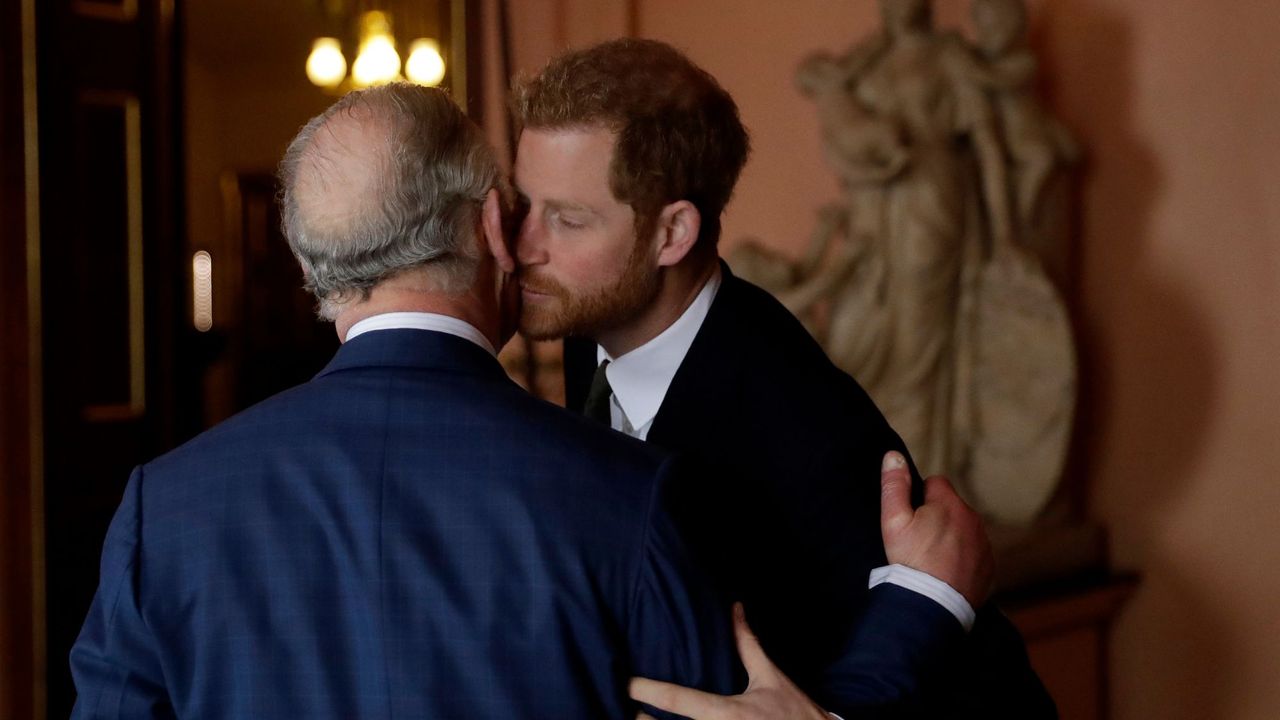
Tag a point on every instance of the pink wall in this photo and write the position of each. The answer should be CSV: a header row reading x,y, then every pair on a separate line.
x,y
1180,295
1179,288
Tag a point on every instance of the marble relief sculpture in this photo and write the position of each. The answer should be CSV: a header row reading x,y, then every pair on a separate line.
x,y
924,281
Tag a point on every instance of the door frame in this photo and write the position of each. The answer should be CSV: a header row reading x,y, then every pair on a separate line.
x,y
22,602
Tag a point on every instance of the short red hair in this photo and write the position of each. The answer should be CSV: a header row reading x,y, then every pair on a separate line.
x,y
679,133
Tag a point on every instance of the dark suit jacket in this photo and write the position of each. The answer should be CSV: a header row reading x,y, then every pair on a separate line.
x,y
408,535
786,513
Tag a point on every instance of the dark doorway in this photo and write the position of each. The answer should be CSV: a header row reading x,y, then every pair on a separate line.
x,y
272,339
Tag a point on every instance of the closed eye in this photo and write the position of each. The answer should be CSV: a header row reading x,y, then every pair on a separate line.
x,y
567,222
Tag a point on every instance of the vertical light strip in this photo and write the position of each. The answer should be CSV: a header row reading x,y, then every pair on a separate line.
x,y
35,364
137,304
202,291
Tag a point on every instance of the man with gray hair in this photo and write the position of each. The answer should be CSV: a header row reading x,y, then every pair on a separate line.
x,y
409,534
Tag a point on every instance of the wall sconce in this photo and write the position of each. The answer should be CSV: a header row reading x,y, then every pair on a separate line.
x,y
377,60
202,291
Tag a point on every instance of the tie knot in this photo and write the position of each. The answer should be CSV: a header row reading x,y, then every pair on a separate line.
x,y
597,405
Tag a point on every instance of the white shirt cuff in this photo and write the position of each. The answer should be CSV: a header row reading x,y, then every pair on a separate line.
x,y
928,586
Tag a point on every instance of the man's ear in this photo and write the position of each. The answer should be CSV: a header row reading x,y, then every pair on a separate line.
x,y
491,223
677,232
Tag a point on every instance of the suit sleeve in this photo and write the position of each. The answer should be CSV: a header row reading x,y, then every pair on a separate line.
x,y
114,662
901,642
991,674
681,628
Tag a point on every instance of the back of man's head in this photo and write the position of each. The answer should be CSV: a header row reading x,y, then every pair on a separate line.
x,y
679,134
387,180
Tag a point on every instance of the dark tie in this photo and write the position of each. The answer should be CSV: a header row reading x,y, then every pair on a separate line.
x,y
597,404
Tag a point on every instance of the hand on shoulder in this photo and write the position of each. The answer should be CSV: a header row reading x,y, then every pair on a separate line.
x,y
944,537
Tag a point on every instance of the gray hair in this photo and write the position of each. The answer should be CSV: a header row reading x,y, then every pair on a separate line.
x,y
431,170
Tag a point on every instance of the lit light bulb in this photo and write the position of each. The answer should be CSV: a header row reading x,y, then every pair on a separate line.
x,y
425,65
326,66
378,61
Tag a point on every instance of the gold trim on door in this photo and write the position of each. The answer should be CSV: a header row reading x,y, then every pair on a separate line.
x,y
136,407
35,365
123,11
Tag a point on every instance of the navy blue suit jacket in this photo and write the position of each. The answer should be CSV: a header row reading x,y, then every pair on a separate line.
x,y
408,535
787,516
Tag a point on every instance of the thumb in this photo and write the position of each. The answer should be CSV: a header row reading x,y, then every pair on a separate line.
x,y
895,494
759,667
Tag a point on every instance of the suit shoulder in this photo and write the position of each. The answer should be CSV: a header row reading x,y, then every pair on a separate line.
x,y
257,424
760,321
780,370
766,338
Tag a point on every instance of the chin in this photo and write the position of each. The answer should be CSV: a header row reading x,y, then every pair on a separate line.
x,y
541,326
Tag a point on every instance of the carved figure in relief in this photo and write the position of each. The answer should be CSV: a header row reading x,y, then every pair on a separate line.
x,y
895,289
917,283
1036,142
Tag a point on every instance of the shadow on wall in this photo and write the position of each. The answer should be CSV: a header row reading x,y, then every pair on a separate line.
x,y
1148,371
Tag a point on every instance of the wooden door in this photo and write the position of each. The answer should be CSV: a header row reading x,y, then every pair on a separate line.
x,y
112,282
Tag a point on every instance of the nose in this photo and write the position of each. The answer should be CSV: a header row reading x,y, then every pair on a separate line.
x,y
530,246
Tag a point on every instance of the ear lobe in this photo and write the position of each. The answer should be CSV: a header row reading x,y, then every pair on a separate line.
x,y
678,226
495,239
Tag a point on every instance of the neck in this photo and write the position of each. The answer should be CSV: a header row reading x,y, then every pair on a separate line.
x,y
677,288
404,295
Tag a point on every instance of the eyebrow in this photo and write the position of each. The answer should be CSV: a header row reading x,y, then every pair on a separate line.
x,y
575,207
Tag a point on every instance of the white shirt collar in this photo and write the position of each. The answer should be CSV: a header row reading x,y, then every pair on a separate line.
x,y
640,378
421,321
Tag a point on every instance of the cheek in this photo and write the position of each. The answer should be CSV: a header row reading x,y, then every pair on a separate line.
x,y
593,263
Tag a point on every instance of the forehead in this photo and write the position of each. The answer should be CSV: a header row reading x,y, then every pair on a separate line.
x,y
565,163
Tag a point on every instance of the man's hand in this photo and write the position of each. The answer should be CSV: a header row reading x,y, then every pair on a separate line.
x,y
769,694
944,537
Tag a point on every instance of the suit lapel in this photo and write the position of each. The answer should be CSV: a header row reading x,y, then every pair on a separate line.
x,y
703,387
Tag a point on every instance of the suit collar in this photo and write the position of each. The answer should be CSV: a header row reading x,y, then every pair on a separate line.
x,y
416,350
417,320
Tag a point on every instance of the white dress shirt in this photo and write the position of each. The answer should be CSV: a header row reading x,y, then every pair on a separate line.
x,y
640,380
421,321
